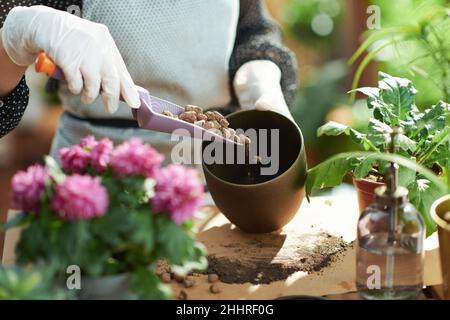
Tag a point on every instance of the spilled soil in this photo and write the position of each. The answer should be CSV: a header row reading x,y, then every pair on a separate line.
x,y
268,257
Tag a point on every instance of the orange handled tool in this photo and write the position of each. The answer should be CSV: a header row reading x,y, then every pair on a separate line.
x,y
44,64
149,115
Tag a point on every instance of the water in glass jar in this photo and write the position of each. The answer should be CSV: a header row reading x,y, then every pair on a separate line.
x,y
375,258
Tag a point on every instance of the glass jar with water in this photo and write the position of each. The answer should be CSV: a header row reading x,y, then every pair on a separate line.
x,y
390,252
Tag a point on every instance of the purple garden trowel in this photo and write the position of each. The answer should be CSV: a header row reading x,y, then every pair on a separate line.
x,y
149,116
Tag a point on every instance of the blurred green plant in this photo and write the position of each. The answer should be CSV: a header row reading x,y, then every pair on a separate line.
x,y
324,90
412,42
313,21
425,141
28,284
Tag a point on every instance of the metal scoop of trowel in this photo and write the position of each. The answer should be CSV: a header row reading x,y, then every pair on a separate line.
x,y
149,116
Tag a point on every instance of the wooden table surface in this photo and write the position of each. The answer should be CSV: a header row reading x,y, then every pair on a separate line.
x,y
335,214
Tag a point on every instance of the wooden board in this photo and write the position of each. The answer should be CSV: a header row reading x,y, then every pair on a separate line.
x,y
335,216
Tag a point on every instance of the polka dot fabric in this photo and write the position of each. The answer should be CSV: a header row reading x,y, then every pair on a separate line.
x,y
257,37
12,107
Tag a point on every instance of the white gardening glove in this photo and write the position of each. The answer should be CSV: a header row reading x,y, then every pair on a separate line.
x,y
84,50
257,86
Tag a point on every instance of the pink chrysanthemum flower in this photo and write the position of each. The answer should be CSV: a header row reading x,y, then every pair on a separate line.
x,y
74,159
88,142
178,191
27,188
133,157
80,197
101,154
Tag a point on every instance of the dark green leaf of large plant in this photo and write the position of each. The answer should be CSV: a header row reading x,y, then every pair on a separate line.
x,y
177,246
147,285
422,194
328,174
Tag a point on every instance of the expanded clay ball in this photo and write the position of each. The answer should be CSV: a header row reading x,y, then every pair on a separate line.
x,y
208,125
218,116
210,115
182,295
188,116
216,124
210,120
166,278
168,113
191,107
188,283
224,123
212,277
200,123
226,133
214,288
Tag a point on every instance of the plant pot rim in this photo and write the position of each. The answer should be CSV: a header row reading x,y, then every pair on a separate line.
x,y
366,181
444,224
301,151
437,169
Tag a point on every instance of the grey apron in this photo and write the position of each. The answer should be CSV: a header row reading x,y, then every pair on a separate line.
x,y
177,49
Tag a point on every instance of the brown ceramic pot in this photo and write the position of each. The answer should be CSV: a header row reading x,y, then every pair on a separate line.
x,y
271,201
365,190
439,210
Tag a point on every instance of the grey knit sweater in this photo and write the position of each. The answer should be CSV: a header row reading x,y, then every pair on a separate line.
x,y
257,37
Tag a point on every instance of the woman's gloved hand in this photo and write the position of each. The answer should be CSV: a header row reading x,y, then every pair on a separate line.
x,y
84,50
257,86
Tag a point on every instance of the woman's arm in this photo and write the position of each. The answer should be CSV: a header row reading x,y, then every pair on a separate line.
x,y
11,73
13,88
259,38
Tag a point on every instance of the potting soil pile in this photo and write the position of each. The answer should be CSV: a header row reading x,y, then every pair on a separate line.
x,y
262,259
313,255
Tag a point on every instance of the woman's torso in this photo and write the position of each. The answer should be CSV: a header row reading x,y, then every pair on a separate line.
x,y
177,49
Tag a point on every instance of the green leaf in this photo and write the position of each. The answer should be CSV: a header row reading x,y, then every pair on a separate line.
x,y
111,227
148,286
26,284
329,173
406,176
374,37
364,167
33,243
422,194
406,143
437,140
332,128
397,93
144,233
432,116
17,220
177,246
94,260
54,170
364,63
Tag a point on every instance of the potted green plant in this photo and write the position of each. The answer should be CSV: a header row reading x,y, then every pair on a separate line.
x,y
425,141
113,212
28,284
411,44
